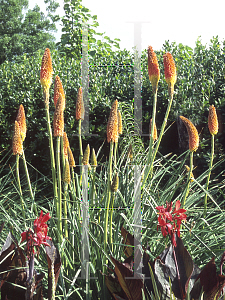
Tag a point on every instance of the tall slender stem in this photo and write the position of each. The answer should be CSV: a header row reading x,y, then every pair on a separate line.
x,y
19,185
29,184
81,149
65,209
189,179
209,174
110,223
59,183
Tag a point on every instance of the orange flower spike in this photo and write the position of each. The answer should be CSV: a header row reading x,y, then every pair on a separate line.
x,y
112,126
58,121
155,136
17,144
192,133
58,89
80,105
213,121
71,157
170,71
153,68
21,120
46,70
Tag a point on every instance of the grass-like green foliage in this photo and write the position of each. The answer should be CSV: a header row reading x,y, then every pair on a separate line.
x,y
202,234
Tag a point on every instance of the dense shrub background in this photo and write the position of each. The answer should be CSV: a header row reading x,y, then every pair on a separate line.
x,y
200,83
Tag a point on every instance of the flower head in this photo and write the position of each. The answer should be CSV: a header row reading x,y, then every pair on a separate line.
x,y
58,89
58,120
213,121
86,156
115,183
93,158
17,144
80,105
170,71
21,120
112,126
46,70
153,68
71,157
169,221
155,136
66,144
192,133
67,177
39,235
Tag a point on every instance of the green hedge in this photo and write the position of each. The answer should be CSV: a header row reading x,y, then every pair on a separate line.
x,y
200,83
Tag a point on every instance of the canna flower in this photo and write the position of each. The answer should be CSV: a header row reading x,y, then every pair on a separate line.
x,y
66,144
170,221
170,72
115,183
80,105
155,136
46,70
192,133
17,144
112,126
70,157
120,126
67,177
153,68
93,158
86,157
213,121
58,121
21,120
58,89
39,235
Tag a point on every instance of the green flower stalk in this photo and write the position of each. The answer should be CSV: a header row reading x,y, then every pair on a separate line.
x,y
213,129
114,188
80,117
93,165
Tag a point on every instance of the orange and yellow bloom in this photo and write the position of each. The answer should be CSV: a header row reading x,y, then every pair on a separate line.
x,y
17,144
21,120
153,68
46,70
192,133
170,72
213,121
112,126
58,89
58,121
80,105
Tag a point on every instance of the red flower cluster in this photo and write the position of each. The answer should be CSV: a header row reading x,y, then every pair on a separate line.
x,y
170,221
39,236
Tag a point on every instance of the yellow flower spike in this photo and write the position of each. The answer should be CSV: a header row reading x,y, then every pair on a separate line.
x,y
170,72
86,157
112,126
93,158
21,120
153,69
213,121
120,126
67,177
46,70
80,105
17,144
155,136
58,89
58,121
71,157
192,133
115,183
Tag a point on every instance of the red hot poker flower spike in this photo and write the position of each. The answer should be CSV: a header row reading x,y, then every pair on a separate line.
x,y
58,89
192,134
170,72
21,120
153,68
213,121
46,70
169,221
